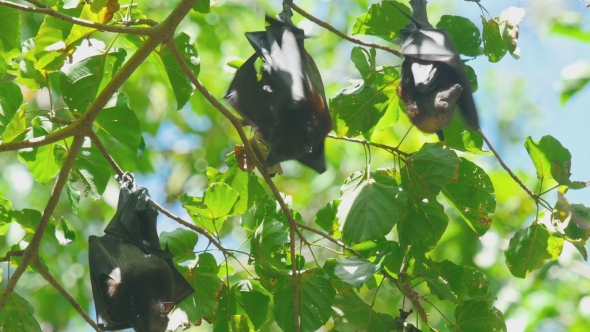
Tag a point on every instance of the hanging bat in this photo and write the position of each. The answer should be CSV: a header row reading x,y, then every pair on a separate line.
x,y
134,282
286,104
433,79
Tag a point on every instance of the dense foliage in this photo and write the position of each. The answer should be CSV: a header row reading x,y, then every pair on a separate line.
x,y
385,240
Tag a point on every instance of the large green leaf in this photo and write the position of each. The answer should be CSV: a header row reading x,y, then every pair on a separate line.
x,y
351,314
122,124
472,195
50,47
327,220
202,6
466,282
357,270
81,83
423,225
41,160
463,32
10,32
551,159
315,302
493,44
11,99
17,127
181,85
217,202
382,20
244,300
478,316
267,247
530,248
93,170
181,243
202,304
17,315
428,170
573,79
369,209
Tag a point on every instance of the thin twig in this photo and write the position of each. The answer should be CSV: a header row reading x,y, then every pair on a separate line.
x,y
388,148
43,9
94,138
64,293
509,171
328,237
340,34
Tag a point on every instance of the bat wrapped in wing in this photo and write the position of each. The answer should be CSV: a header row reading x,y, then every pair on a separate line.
x,y
286,103
134,282
433,79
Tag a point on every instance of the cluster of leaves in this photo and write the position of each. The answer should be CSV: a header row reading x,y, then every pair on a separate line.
x,y
387,221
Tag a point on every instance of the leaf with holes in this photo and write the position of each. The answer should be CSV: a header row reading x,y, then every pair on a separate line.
x,y
472,195
478,316
493,44
423,225
17,315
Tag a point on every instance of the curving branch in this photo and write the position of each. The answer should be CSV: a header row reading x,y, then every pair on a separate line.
x,y
388,148
64,293
43,9
32,250
342,35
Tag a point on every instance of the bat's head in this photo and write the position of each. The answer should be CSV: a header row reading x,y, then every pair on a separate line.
x,y
151,317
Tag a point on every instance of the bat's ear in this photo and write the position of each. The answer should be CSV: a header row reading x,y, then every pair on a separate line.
x,y
168,306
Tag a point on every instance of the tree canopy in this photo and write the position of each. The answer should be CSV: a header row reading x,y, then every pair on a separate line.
x,y
402,232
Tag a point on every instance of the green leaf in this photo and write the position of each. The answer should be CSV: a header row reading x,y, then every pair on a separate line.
x,y
478,316
551,159
570,28
28,219
17,315
578,226
472,76
327,220
50,47
122,124
63,233
98,11
357,270
267,247
315,303
40,160
268,206
382,20
428,170
466,282
202,304
181,85
207,264
423,225
369,209
573,79
461,137
11,99
217,202
463,32
441,289
472,195
530,248
17,127
93,170
246,184
493,44
357,109
5,209
181,243
364,61
352,314
202,6
73,197
81,83
10,32
243,300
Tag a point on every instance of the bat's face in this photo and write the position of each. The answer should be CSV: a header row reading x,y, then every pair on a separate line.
x,y
151,318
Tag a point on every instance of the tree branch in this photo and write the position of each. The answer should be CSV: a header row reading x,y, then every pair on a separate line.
x,y
64,293
32,250
43,9
388,148
340,34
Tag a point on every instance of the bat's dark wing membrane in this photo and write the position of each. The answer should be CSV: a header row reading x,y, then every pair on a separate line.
x,y
102,265
436,45
181,289
135,221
